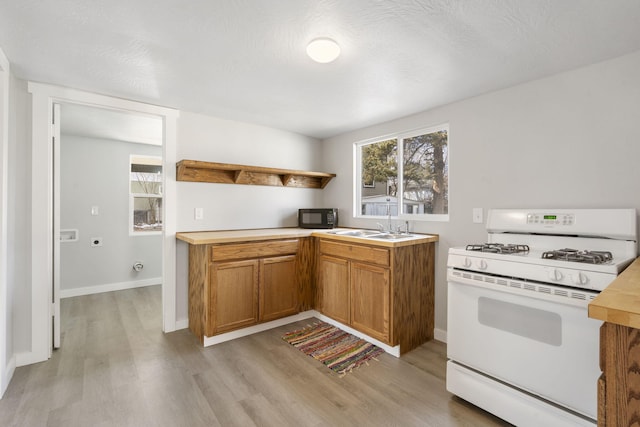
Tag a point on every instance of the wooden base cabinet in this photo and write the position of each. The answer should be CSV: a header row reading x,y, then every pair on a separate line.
x,y
278,291
619,384
233,295
354,292
386,293
370,297
236,285
334,283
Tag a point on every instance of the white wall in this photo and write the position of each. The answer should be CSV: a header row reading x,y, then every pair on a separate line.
x,y
568,141
229,206
19,234
95,172
16,307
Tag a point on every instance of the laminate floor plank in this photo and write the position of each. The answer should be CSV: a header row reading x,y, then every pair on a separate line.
x,y
282,385
116,368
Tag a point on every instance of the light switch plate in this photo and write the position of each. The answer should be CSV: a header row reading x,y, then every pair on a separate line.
x,y
95,210
198,213
477,215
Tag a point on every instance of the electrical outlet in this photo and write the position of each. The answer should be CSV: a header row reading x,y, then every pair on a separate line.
x,y
96,241
198,213
477,215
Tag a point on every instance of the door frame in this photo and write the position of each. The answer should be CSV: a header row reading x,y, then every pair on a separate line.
x,y
7,359
43,98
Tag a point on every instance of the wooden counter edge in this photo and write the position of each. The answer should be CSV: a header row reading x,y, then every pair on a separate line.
x,y
619,303
196,237
230,236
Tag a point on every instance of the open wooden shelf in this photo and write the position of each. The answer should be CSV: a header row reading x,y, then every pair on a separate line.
x,y
225,173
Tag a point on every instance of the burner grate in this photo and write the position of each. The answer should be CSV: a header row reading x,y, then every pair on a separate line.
x,y
574,255
499,248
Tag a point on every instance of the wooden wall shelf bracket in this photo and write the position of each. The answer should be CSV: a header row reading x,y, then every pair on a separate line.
x,y
225,173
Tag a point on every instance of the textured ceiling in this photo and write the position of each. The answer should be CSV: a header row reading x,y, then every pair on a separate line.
x,y
245,59
94,122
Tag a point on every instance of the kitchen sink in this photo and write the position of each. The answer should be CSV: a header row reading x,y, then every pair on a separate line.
x,y
355,233
391,236
372,234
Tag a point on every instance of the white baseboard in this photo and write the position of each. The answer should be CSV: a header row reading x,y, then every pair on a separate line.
x,y
7,375
28,358
217,339
109,287
440,335
394,351
182,324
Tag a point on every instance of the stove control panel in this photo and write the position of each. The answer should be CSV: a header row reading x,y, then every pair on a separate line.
x,y
551,219
499,265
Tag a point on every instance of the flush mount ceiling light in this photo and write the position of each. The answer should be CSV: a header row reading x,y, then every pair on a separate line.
x,y
323,50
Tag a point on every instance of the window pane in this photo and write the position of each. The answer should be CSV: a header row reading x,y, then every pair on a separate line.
x,y
145,186
379,185
425,177
146,182
147,214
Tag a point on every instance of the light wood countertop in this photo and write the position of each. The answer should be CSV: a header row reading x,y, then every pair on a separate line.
x,y
230,236
619,303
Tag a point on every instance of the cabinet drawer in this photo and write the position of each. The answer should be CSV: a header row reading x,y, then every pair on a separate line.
x,y
253,249
368,254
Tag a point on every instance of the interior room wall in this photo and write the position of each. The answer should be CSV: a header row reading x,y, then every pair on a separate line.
x,y
95,172
566,141
19,221
229,206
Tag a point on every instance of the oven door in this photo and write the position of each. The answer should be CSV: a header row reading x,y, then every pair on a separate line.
x,y
543,344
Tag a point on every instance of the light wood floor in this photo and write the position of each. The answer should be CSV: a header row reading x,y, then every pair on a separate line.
x,y
116,367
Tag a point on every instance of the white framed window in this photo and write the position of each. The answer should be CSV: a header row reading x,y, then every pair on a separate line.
x,y
405,175
145,195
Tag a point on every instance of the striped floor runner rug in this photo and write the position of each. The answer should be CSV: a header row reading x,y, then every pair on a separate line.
x,y
337,349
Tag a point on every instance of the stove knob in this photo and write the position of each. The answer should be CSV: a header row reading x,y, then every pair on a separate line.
x,y
580,279
466,263
555,275
482,264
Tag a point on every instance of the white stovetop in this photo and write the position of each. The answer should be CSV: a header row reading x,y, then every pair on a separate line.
x,y
534,258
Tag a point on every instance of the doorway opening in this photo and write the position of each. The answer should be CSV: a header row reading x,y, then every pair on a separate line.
x,y
43,307
98,192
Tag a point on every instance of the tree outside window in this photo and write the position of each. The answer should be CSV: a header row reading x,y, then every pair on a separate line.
x,y
416,186
146,194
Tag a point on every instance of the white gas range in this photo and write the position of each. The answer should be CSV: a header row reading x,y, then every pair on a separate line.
x,y
519,341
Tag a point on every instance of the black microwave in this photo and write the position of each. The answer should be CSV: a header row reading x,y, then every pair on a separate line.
x,y
317,218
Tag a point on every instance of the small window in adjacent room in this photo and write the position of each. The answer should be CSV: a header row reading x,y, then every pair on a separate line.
x,y
145,195
404,175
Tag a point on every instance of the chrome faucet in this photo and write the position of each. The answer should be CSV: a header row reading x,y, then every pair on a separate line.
x,y
389,214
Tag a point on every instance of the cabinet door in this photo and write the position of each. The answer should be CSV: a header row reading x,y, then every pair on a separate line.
x,y
233,295
370,307
334,288
278,287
